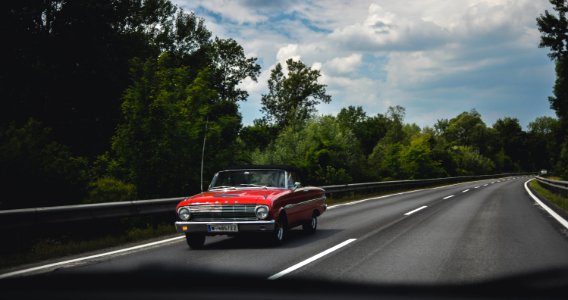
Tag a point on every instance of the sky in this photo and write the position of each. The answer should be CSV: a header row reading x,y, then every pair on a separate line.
x,y
436,58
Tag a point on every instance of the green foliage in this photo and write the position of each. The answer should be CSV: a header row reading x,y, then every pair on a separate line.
x,y
259,135
229,67
323,149
469,162
291,99
417,159
108,189
37,171
554,35
158,143
543,143
368,130
468,129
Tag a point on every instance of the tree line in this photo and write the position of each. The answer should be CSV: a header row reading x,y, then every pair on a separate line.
x,y
110,101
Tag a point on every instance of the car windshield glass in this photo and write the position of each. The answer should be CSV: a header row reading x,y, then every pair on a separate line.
x,y
249,178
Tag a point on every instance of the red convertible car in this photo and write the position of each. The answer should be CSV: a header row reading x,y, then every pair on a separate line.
x,y
256,199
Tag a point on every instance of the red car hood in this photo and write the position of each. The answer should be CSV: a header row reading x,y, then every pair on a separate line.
x,y
240,196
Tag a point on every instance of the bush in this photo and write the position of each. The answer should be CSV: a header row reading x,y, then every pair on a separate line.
x,y
109,189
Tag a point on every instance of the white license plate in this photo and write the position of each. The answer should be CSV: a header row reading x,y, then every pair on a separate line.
x,y
222,228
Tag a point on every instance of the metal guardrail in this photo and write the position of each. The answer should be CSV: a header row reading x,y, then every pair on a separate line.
x,y
86,212
557,185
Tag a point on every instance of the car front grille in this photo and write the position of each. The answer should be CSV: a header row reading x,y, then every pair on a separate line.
x,y
238,212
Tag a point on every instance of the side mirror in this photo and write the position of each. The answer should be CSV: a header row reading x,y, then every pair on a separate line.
x,y
297,184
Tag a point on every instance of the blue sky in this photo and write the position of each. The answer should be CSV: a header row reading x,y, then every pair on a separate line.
x,y
436,58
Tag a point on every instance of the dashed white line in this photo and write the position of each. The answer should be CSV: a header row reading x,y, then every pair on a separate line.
x,y
465,191
476,187
486,184
413,211
311,259
448,197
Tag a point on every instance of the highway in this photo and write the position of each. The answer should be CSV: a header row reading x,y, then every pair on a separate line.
x,y
460,233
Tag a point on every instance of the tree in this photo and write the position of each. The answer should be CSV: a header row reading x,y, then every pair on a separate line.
x,y
511,139
554,31
36,171
157,145
418,161
467,129
368,130
543,143
325,150
291,99
229,67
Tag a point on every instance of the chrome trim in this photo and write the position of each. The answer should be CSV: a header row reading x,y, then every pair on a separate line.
x,y
224,222
244,226
305,202
223,212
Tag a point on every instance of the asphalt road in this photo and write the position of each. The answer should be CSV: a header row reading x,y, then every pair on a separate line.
x,y
461,233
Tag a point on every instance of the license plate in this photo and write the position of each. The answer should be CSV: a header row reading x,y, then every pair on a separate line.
x,y
222,228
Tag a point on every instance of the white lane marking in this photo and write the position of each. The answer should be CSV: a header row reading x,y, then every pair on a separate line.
x,y
486,184
311,259
71,261
465,191
413,211
448,197
476,187
492,182
548,209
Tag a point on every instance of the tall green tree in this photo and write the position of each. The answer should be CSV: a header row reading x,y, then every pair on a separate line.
x,y
292,98
158,143
543,143
511,139
554,35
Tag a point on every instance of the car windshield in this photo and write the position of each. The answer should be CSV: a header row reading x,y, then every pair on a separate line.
x,y
249,178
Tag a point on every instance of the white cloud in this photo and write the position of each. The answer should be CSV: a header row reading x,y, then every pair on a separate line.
x,y
435,57
345,64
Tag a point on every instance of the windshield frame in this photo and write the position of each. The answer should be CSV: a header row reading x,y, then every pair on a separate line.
x,y
288,181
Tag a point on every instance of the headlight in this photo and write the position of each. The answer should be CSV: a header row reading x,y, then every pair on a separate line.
x,y
261,212
184,214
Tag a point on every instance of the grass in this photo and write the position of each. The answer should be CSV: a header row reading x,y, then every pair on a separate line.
x,y
555,198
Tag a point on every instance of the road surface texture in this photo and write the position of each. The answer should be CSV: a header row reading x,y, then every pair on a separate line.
x,y
462,233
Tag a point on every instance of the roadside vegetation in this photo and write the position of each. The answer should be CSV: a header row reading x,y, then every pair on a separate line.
x,y
556,198
143,79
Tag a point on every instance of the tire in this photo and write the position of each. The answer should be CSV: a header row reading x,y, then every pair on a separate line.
x,y
279,233
311,226
195,241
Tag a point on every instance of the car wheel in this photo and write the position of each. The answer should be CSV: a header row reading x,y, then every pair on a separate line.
x,y
279,233
195,241
312,225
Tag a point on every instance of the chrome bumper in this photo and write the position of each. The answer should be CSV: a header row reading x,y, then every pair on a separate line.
x,y
244,226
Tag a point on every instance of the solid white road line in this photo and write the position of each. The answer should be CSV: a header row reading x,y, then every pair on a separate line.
x,y
76,260
311,259
413,211
448,197
548,209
